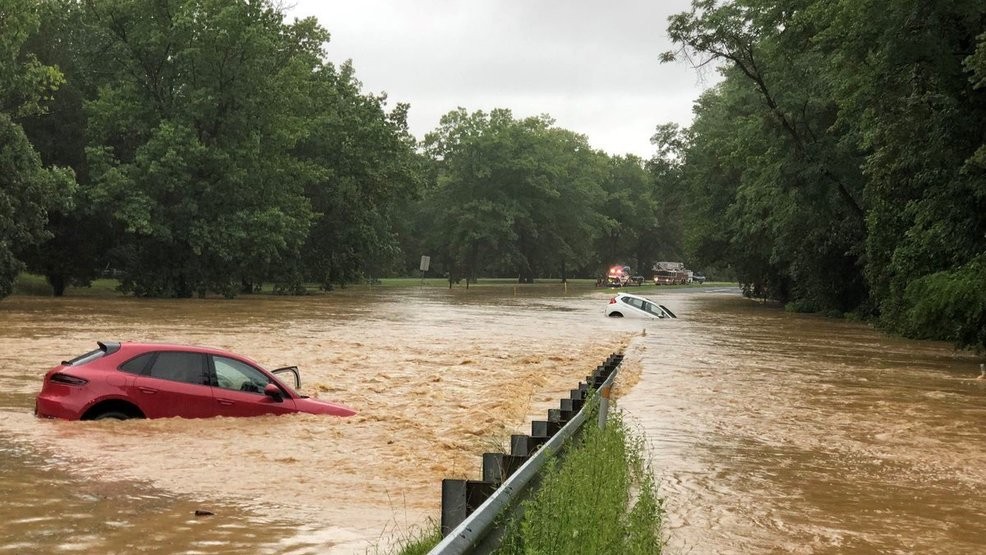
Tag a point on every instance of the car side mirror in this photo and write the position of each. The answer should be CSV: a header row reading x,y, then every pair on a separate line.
x,y
273,392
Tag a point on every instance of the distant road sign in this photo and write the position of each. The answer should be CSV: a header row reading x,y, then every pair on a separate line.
x,y
425,262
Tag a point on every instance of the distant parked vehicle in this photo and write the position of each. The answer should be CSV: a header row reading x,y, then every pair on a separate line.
x,y
670,277
698,278
149,380
618,276
625,305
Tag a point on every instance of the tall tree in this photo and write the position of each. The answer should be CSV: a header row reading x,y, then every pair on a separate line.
x,y
27,189
192,135
630,233
904,80
368,172
82,230
844,144
514,197
804,181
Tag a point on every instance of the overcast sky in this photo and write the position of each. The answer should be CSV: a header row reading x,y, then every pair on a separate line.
x,y
591,65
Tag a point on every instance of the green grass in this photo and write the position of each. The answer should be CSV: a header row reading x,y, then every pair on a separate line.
x,y
599,498
481,283
37,286
420,540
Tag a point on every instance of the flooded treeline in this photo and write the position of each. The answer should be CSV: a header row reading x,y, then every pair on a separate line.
x,y
840,165
193,148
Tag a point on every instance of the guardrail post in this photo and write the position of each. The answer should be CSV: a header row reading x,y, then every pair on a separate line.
x,y
523,445
604,404
460,498
498,466
572,405
544,429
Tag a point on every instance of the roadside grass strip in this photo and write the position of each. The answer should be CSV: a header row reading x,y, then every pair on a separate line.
x,y
598,497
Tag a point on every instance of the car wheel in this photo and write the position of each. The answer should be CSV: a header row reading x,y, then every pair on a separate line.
x,y
112,415
616,315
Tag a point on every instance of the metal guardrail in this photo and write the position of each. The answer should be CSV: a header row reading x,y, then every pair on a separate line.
x,y
477,525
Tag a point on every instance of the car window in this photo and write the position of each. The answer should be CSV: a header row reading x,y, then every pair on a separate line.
x,y
636,303
233,374
179,367
83,359
652,308
137,365
104,349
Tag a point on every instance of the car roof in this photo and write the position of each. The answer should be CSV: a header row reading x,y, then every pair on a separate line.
x,y
634,296
131,347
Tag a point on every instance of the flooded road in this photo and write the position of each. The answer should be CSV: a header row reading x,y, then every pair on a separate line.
x,y
437,376
769,431
776,432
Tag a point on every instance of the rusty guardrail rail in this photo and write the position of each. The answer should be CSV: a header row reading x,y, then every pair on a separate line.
x,y
471,507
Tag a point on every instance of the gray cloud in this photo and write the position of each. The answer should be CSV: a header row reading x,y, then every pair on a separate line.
x,y
593,66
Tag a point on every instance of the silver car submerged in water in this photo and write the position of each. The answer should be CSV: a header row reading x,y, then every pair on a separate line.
x,y
624,305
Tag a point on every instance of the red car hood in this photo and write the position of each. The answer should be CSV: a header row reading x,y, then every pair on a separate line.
x,y
315,406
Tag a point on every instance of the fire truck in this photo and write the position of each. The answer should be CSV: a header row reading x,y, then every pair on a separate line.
x,y
671,273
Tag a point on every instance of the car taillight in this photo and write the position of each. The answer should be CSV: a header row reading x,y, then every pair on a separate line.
x,y
66,379
612,301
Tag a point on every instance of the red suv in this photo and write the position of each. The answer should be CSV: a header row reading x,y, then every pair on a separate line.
x,y
147,380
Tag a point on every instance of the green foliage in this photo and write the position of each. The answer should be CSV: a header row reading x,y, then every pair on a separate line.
x,y
192,139
215,148
516,197
949,305
419,541
841,159
913,106
27,189
367,171
796,223
600,498
631,232
25,82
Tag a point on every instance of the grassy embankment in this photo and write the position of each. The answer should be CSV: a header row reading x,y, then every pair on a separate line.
x,y
599,497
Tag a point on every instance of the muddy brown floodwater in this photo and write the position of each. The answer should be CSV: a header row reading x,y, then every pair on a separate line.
x,y
768,431
783,433
438,377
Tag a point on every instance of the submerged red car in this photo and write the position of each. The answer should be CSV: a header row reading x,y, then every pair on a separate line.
x,y
149,380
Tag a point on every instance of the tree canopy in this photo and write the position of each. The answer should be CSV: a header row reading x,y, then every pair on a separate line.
x,y
842,155
27,188
523,198
215,147
206,146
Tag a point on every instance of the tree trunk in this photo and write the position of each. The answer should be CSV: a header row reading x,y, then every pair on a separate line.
x,y
57,282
